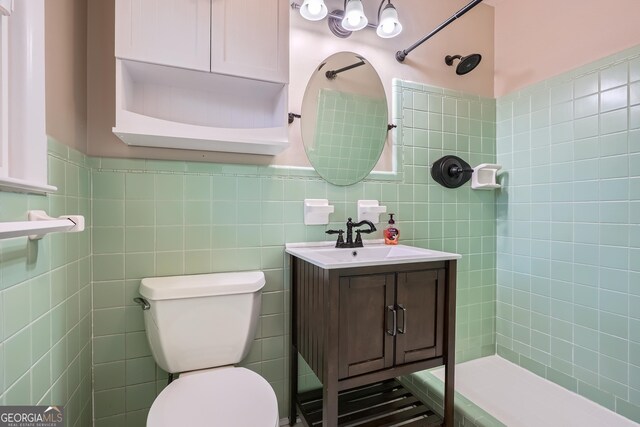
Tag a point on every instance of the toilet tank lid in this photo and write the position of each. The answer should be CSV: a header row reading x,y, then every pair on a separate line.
x,y
201,285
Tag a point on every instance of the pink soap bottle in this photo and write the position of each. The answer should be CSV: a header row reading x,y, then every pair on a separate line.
x,y
391,233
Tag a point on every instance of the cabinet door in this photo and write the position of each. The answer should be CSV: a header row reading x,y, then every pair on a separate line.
x,y
365,346
166,32
420,301
250,38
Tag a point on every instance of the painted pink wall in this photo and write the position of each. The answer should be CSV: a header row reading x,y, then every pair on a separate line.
x,y
536,40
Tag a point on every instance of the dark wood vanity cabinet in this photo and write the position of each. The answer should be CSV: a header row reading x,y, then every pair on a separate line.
x,y
389,319
359,326
420,295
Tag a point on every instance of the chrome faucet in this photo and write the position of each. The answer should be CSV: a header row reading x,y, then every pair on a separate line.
x,y
350,243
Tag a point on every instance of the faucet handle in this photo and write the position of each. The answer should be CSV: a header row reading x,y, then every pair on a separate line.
x,y
358,242
340,241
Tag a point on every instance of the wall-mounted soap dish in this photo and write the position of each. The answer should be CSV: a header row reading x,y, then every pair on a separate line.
x,y
370,210
317,211
485,177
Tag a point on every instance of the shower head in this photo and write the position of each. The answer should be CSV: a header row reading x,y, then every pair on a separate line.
x,y
467,63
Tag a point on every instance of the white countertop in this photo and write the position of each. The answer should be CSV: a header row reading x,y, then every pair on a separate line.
x,y
374,252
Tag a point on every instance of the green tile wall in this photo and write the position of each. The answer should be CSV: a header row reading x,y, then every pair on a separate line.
x,y
346,125
436,122
148,218
45,298
566,223
568,227
163,218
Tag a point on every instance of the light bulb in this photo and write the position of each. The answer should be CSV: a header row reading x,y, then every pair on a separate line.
x,y
388,23
388,27
353,19
314,8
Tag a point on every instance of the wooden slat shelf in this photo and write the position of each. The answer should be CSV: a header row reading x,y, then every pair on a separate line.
x,y
382,404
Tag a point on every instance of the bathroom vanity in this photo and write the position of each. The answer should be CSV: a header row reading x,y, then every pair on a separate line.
x,y
362,317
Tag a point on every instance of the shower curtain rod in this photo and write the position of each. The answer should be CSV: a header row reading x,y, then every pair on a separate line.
x,y
402,54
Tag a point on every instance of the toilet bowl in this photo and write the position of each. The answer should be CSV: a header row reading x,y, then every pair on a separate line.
x,y
220,397
200,326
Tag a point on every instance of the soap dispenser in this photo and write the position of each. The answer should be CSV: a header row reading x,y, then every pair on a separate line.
x,y
391,233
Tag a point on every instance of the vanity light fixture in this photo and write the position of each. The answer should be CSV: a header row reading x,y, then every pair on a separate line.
x,y
313,10
352,18
388,24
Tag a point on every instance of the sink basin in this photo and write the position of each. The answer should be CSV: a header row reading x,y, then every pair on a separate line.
x,y
328,257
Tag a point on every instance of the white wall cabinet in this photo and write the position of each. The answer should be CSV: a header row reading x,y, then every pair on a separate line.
x,y
167,32
203,74
250,38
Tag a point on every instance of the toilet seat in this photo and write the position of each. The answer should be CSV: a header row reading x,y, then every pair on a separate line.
x,y
221,397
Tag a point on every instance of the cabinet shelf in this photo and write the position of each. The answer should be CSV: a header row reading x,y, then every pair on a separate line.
x,y
382,404
170,107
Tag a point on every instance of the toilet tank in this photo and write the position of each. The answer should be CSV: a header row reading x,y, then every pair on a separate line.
x,y
201,321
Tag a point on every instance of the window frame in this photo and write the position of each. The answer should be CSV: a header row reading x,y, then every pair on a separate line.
x,y
23,138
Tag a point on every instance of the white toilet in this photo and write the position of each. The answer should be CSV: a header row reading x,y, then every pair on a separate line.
x,y
200,326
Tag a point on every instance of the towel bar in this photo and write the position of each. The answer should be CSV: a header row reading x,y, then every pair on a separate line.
x,y
40,224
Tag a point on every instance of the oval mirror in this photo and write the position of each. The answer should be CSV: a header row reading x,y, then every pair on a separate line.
x,y
344,118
